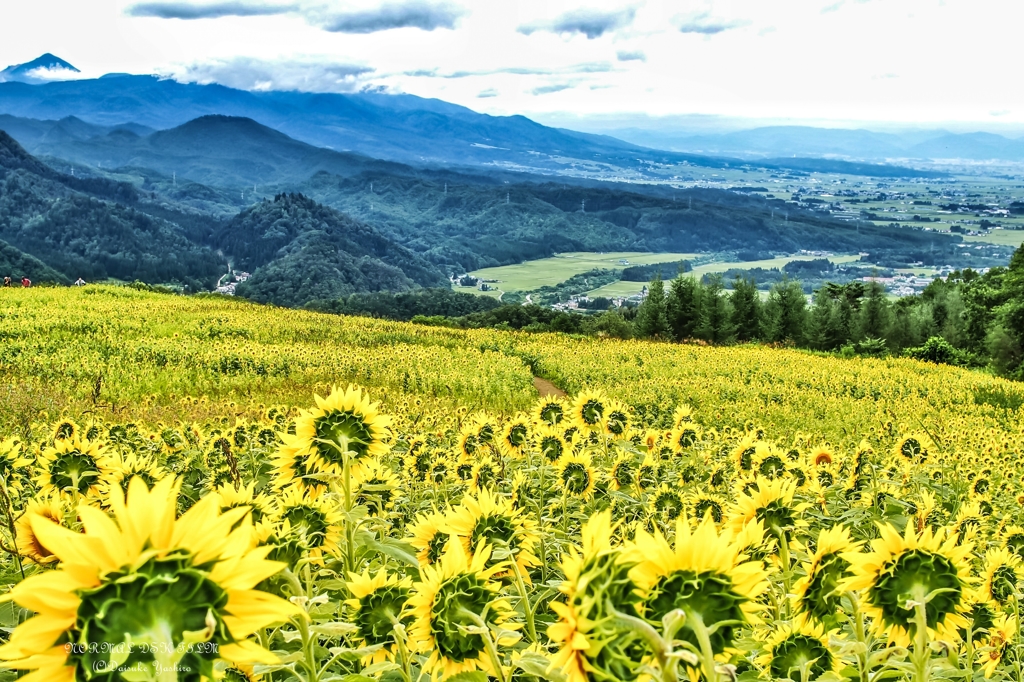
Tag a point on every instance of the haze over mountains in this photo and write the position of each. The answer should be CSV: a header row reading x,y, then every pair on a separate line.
x,y
867,145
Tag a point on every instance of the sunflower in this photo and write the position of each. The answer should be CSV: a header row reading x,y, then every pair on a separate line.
x,y
377,604
623,472
484,475
376,488
28,543
772,504
457,593
485,428
576,474
429,536
1000,575
1013,540
668,503
260,506
681,416
913,566
307,523
72,466
487,519
822,456
913,447
705,575
65,429
588,411
769,461
969,521
997,644
239,673
799,652
292,467
549,410
704,505
515,437
345,421
145,578
818,597
743,453
649,473
597,584
12,464
469,443
684,436
551,443
616,421
418,460
122,468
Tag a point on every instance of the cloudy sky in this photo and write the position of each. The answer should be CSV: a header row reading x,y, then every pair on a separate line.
x,y
911,61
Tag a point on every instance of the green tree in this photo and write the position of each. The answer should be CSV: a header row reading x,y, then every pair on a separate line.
x,y
746,309
683,307
715,325
651,320
786,313
874,314
1006,341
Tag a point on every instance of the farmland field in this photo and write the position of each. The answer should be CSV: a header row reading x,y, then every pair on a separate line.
x,y
685,511
630,288
534,274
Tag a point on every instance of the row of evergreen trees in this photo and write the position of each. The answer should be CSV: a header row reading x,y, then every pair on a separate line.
x,y
966,318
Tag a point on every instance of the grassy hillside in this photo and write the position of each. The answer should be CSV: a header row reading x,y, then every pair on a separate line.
x,y
747,474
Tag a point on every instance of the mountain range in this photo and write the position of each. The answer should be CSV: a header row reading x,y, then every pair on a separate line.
x,y
772,142
106,181
402,128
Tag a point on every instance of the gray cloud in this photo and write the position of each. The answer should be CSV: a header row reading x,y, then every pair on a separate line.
x,y
427,16
548,89
634,56
834,7
189,10
489,92
591,23
706,25
254,74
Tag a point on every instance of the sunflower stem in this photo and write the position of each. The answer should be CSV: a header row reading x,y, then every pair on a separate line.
x,y
346,485
662,649
531,627
308,660
707,654
492,650
922,656
860,634
784,558
403,651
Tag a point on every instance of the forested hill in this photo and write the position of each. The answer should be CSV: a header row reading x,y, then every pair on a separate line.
x,y
464,225
298,250
17,264
69,225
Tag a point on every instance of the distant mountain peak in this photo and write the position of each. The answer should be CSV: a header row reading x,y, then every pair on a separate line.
x,y
43,69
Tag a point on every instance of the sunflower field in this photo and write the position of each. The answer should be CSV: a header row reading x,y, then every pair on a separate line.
x,y
204,489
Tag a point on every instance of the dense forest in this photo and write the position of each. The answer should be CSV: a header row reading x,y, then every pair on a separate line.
x,y
51,217
299,250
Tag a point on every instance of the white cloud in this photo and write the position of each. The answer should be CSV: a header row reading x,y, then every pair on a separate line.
x,y
791,61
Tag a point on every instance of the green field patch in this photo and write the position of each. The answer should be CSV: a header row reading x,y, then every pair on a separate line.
x,y
616,289
535,274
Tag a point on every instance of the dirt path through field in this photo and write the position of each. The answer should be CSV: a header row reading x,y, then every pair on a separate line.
x,y
546,388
